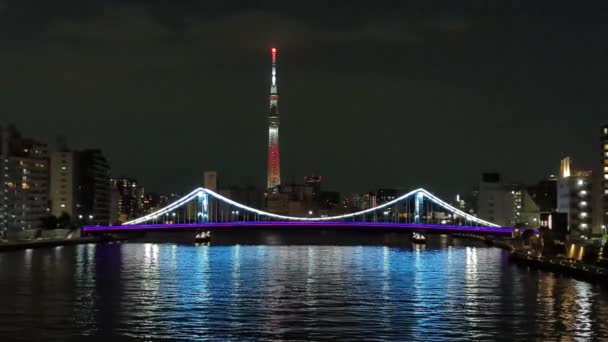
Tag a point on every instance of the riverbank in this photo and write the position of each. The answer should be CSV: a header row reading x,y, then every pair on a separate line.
x,y
555,264
42,243
561,265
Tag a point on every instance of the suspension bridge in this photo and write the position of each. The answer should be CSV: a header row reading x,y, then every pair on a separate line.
x,y
417,210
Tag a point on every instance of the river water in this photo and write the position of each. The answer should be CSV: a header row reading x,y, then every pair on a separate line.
x,y
449,290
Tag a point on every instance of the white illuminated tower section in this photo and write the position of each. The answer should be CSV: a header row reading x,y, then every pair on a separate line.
x,y
274,159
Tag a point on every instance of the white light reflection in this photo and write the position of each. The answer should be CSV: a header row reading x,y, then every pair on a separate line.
x,y
583,323
471,290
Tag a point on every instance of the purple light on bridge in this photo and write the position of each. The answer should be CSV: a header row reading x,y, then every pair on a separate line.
x,y
140,227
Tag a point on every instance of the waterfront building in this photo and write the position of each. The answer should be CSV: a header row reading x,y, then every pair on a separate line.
x,y
544,194
491,200
508,205
92,187
24,176
62,183
80,186
522,211
574,197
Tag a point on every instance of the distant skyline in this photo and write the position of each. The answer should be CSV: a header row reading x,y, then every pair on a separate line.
x,y
399,95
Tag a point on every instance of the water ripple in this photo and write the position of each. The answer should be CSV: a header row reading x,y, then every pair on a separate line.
x,y
183,292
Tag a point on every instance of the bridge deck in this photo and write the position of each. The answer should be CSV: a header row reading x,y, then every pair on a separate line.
x,y
288,224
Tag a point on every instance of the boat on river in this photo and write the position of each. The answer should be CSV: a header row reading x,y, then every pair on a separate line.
x,y
418,238
203,237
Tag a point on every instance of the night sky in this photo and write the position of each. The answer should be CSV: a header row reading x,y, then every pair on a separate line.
x,y
373,93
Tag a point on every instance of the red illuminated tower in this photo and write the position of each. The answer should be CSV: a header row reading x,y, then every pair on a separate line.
x,y
274,159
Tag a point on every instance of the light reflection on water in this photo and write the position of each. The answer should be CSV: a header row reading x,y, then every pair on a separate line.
x,y
151,291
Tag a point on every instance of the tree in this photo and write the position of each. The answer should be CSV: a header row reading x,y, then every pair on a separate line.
x,y
65,221
49,222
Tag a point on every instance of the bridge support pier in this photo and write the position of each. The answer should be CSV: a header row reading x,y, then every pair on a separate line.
x,y
203,207
418,206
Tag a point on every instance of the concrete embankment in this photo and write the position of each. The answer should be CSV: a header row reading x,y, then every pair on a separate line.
x,y
563,266
20,245
554,264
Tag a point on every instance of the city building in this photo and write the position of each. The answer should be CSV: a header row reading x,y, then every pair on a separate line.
x,y
603,207
210,181
508,205
248,195
292,199
365,200
62,181
460,203
492,199
555,222
127,199
80,186
544,194
328,203
24,180
92,187
154,201
522,211
314,182
574,197
386,195
274,160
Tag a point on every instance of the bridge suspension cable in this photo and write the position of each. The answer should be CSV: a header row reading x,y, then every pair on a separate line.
x,y
204,193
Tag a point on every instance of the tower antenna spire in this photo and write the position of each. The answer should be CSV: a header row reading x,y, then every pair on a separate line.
x,y
274,159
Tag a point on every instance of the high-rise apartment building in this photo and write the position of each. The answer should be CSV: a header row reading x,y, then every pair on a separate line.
x,y
508,205
127,199
80,186
24,174
491,200
574,197
62,183
92,187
